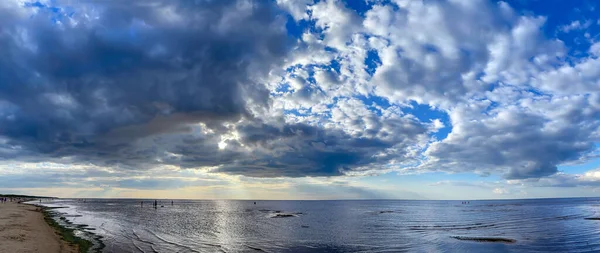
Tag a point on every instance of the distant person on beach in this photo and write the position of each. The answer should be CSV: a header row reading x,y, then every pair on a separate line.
x,y
142,203
155,203
171,202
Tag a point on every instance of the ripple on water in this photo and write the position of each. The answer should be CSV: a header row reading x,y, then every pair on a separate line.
x,y
347,226
452,227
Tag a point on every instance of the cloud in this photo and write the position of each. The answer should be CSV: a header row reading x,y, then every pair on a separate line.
x,y
516,140
440,53
575,25
561,180
569,78
463,184
500,191
589,178
90,83
224,87
297,8
173,83
296,150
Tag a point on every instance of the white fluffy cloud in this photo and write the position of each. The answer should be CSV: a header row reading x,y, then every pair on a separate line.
x,y
517,106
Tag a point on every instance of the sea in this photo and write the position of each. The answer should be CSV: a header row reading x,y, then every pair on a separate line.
x,y
531,225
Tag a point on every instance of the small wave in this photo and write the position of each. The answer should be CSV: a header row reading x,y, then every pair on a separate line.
x,y
495,205
485,239
174,243
452,227
137,247
566,217
592,218
142,240
490,210
140,248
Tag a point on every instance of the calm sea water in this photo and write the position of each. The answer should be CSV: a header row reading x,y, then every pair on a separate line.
x,y
540,225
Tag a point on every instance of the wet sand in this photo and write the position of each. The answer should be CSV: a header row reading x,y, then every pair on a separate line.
x,y
23,229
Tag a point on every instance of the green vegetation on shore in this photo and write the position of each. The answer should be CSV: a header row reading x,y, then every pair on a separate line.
x,y
66,234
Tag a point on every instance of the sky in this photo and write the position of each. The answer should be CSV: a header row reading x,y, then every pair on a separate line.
x,y
300,99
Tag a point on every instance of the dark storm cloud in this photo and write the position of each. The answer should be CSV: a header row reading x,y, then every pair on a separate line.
x,y
296,150
91,82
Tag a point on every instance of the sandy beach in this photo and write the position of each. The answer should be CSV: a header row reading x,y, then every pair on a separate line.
x,y
23,229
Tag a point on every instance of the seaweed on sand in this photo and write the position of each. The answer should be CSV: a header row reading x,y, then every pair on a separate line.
x,y
68,234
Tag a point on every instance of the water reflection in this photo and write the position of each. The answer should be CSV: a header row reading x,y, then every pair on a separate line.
x,y
557,225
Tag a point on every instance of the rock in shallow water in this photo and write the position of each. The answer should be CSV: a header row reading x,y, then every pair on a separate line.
x,y
485,239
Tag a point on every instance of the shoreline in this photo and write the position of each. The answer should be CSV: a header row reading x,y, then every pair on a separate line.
x,y
66,233
24,228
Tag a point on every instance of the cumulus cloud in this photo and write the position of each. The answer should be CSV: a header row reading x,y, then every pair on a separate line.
x,y
523,140
482,64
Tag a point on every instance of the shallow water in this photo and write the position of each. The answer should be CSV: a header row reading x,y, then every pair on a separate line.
x,y
540,225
